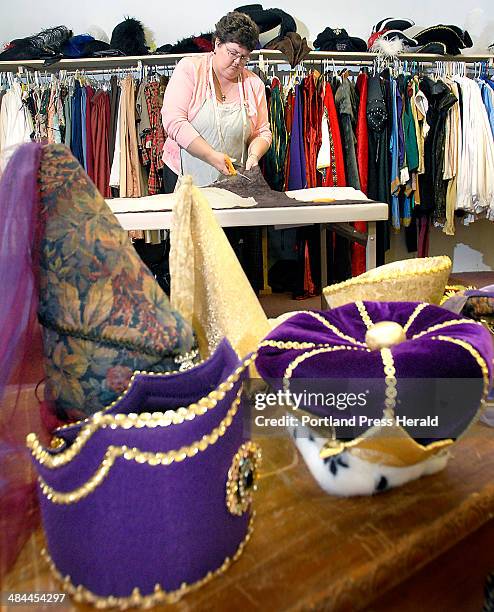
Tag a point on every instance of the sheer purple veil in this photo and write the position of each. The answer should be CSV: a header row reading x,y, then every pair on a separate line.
x,y
21,229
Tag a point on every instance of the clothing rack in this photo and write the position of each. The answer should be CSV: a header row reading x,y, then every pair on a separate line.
x,y
106,63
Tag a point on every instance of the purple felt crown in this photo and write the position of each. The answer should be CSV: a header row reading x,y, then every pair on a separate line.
x,y
149,498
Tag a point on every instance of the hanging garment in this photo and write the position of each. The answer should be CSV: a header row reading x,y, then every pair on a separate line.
x,y
434,187
114,108
312,119
130,176
334,175
274,160
358,251
76,124
346,105
297,178
84,125
100,123
156,138
16,125
89,137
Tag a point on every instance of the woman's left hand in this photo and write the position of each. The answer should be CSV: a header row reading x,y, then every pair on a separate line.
x,y
252,161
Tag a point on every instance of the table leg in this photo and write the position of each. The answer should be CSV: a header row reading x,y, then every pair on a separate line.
x,y
370,251
266,290
324,256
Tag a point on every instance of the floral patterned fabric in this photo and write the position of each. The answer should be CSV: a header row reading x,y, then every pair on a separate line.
x,y
103,314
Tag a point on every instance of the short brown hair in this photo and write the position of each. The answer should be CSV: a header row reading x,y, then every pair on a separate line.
x,y
237,28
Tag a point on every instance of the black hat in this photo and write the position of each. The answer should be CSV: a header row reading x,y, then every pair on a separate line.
x,y
267,19
453,37
392,23
128,36
338,40
407,40
47,44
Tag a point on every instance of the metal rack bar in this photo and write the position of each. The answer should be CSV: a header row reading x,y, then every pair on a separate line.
x,y
106,63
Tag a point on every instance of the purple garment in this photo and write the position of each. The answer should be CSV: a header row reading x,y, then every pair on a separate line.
x,y
297,178
148,524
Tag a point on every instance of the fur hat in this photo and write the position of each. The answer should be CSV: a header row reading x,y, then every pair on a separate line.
x,y
129,37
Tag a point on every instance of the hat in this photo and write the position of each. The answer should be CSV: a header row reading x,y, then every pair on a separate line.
x,y
421,279
129,37
393,23
293,46
170,460
47,44
378,372
269,19
338,40
453,37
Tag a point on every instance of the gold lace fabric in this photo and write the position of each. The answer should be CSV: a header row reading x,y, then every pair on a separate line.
x,y
208,286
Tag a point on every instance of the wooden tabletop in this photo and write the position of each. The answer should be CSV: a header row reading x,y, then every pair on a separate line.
x,y
313,551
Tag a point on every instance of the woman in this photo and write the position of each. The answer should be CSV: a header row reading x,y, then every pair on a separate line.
x,y
213,106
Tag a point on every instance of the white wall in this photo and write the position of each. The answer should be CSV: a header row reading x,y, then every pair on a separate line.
x,y
171,20
472,247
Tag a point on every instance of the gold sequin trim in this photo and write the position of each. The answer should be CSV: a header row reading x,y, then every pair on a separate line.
x,y
128,421
134,454
390,382
444,325
82,595
414,315
238,492
364,314
441,266
289,345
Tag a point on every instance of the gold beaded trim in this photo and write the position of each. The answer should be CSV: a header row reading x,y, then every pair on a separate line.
x,y
391,382
444,325
443,263
332,327
128,421
238,498
414,315
364,314
289,345
137,599
134,454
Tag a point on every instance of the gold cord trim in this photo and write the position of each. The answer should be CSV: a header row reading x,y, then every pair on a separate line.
x,y
137,599
414,315
134,454
131,420
366,278
391,382
444,325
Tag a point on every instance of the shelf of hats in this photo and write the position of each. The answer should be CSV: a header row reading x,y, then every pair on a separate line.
x,y
150,435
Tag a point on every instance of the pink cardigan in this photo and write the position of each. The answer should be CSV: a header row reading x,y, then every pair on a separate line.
x,y
184,96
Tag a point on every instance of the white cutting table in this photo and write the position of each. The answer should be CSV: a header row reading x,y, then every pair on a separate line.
x,y
279,216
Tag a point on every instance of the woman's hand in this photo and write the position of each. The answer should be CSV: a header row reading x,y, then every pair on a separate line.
x,y
252,161
218,161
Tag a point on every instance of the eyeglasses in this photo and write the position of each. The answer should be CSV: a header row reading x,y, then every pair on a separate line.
x,y
236,56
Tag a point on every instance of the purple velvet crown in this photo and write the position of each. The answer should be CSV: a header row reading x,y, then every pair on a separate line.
x,y
440,367
150,497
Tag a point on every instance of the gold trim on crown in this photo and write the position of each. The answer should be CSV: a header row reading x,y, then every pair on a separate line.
x,y
134,454
82,595
128,421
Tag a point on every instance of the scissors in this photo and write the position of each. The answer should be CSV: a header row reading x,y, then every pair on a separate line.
x,y
233,171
